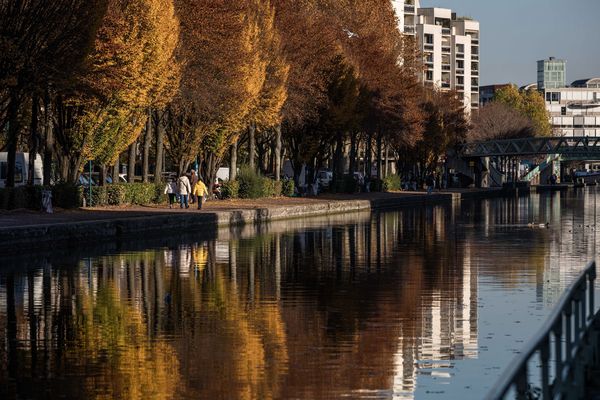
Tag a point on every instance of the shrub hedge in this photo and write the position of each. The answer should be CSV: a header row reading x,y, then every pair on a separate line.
x,y
230,189
63,196
124,194
251,185
288,187
392,182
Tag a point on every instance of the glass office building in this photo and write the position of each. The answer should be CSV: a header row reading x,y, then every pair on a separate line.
x,y
551,73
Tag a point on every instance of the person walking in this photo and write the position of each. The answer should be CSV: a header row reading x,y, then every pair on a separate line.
x,y
171,191
200,191
184,188
429,182
193,181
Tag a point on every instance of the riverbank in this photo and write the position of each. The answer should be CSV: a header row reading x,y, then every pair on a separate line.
x,y
25,230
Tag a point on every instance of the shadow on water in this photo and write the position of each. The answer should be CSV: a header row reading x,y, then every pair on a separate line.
x,y
358,305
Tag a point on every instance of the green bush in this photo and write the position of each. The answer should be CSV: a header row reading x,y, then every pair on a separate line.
x,y
116,194
66,195
251,184
287,187
230,189
346,185
270,188
141,193
391,182
96,196
21,197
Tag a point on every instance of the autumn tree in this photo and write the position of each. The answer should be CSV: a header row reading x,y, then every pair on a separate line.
x,y
130,68
497,120
446,125
41,45
529,103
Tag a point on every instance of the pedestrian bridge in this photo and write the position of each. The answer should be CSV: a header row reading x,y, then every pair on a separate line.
x,y
581,147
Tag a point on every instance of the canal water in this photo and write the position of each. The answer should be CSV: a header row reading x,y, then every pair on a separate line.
x,y
412,303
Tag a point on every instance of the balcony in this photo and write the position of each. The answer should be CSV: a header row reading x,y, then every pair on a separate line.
x,y
446,85
446,31
460,87
475,42
460,56
409,8
428,47
445,49
446,67
409,29
474,73
475,57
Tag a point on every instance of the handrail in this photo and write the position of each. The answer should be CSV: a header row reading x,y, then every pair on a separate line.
x,y
568,326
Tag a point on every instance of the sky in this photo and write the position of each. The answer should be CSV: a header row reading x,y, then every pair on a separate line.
x,y
517,33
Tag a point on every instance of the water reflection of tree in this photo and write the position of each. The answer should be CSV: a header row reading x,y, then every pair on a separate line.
x,y
312,313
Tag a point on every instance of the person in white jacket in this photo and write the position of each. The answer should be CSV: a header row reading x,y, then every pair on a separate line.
x,y
171,191
184,188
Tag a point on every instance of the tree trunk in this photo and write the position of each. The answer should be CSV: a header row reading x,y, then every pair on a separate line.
x,y
278,146
34,141
233,161
379,151
338,159
251,146
115,170
12,139
386,170
146,150
103,174
352,153
131,165
368,156
48,144
160,140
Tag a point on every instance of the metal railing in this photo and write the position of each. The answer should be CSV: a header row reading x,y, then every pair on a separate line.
x,y
565,345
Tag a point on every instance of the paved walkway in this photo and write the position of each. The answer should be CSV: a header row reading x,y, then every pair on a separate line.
x,y
18,218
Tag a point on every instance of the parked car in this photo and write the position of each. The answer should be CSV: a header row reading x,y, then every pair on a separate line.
x,y
324,178
21,169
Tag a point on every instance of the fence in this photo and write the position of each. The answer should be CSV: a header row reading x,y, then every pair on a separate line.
x,y
565,346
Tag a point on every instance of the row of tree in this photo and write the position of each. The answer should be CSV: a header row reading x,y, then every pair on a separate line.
x,y
317,80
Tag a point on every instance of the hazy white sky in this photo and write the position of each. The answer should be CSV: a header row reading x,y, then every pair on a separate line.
x,y
517,33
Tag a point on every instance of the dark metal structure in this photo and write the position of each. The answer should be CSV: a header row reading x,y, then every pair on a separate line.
x,y
580,146
553,365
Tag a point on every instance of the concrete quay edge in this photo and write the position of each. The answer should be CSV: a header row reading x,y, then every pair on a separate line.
x,y
32,237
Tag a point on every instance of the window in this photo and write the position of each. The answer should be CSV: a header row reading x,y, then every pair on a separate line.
x,y
428,38
548,96
460,48
429,75
555,96
460,80
2,170
460,64
563,111
429,57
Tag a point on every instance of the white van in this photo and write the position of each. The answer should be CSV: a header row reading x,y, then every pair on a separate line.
x,y
21,169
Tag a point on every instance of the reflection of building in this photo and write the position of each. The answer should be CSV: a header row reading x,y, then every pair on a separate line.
x,y
448,332
450,47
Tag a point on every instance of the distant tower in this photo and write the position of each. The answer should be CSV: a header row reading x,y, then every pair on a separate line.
x,y
551,74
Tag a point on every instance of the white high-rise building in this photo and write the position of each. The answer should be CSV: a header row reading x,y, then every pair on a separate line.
x,y
450,47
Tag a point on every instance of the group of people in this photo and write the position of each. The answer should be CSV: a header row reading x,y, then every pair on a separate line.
x,y
188,190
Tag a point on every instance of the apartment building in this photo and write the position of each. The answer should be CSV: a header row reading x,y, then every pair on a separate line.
x,y
450,47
